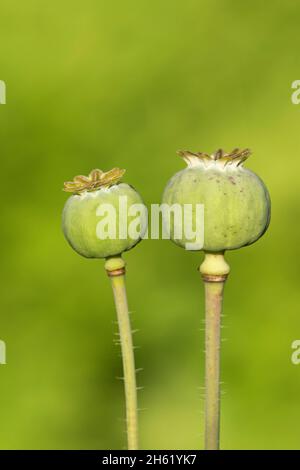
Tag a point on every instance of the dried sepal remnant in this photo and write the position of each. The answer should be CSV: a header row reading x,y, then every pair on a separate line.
x,y
235,157
96,179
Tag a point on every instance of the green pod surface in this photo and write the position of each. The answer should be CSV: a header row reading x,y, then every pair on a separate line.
x,y
84,211
236,202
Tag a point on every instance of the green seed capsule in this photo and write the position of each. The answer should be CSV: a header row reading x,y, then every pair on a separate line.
x,y
92,221
236,202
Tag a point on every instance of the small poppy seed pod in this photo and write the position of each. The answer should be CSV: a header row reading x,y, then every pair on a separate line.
x,y
84,209
236,201
92,236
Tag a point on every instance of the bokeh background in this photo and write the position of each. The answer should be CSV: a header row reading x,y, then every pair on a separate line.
x,y
104,84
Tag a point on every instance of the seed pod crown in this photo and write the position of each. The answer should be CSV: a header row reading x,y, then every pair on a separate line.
x,y
234,158
95,180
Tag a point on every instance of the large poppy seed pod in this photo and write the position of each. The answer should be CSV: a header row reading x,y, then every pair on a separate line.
x,y
82,213
236,201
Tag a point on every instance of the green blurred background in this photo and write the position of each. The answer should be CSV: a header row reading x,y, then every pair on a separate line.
x,y
127,83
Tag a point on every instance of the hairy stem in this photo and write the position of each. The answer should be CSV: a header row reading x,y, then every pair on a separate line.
x,y
213,306
115,268
214,271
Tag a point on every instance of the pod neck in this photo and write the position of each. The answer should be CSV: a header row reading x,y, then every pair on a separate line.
x,y
214,267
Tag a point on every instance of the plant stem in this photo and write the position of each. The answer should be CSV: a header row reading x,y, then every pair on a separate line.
x,y
115,268
213,305
214,272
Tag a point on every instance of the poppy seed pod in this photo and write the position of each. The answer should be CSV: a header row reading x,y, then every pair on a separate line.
x,y
236,201
94,196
